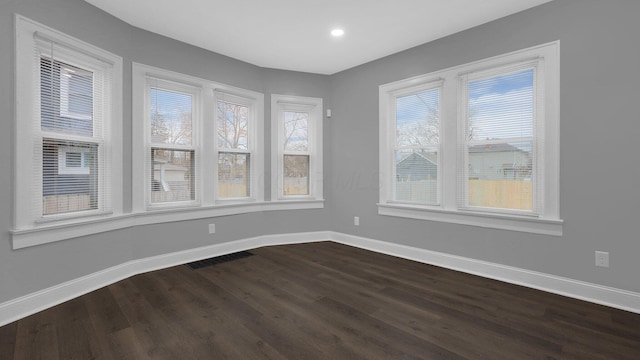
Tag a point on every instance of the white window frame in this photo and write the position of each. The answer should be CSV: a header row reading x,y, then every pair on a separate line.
x,y
194,92
63,169
417,85
279,105
546,218
28,199
254,139
204,138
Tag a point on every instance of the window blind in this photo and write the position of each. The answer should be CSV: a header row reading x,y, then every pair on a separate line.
x,y
499,150
74,96
234,144
417,146
171,148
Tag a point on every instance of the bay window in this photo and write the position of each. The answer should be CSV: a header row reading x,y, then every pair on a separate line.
x,y
198,142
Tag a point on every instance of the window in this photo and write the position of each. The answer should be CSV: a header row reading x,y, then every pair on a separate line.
x,y
476,144
417,144
68,128
297,153
171,148
201,142
236,146
499,116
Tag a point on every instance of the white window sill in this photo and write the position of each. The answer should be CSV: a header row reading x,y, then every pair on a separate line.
x,y
494,221
52,232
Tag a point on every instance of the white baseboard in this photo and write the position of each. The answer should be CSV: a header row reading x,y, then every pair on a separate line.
x,y
599,294
24,306
29,304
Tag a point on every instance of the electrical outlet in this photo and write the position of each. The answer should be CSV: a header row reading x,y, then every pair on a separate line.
x,y
356,221
602,259
212,228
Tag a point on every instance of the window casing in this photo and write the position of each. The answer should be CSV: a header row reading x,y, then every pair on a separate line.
x,y
497,141
296,137
68,129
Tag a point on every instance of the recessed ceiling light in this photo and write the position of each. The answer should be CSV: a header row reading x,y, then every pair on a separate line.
x,y
337,32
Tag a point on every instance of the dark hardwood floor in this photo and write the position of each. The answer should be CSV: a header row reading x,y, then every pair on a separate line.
x,y
321,301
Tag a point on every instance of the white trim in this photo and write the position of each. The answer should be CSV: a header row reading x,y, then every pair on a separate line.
x,y
595,293
27,209
206,93
527,224
61,230
280,104
193,147
255,136
23,306
547,219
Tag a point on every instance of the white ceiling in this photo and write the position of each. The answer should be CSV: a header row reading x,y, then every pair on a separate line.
x,y
295,34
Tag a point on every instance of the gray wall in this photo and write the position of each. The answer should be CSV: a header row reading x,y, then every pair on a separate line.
x,y
599,123
599,176
28,270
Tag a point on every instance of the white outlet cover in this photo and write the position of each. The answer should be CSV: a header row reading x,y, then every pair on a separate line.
x,y
602,259
212,228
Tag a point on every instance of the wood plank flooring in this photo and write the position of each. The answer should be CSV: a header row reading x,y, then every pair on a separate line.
x,y
321,301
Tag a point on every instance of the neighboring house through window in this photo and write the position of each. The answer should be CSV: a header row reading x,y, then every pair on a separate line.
x,y
172,142
475,144
416,143
69,132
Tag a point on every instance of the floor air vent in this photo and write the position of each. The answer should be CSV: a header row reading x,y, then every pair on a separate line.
x,y
218,259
